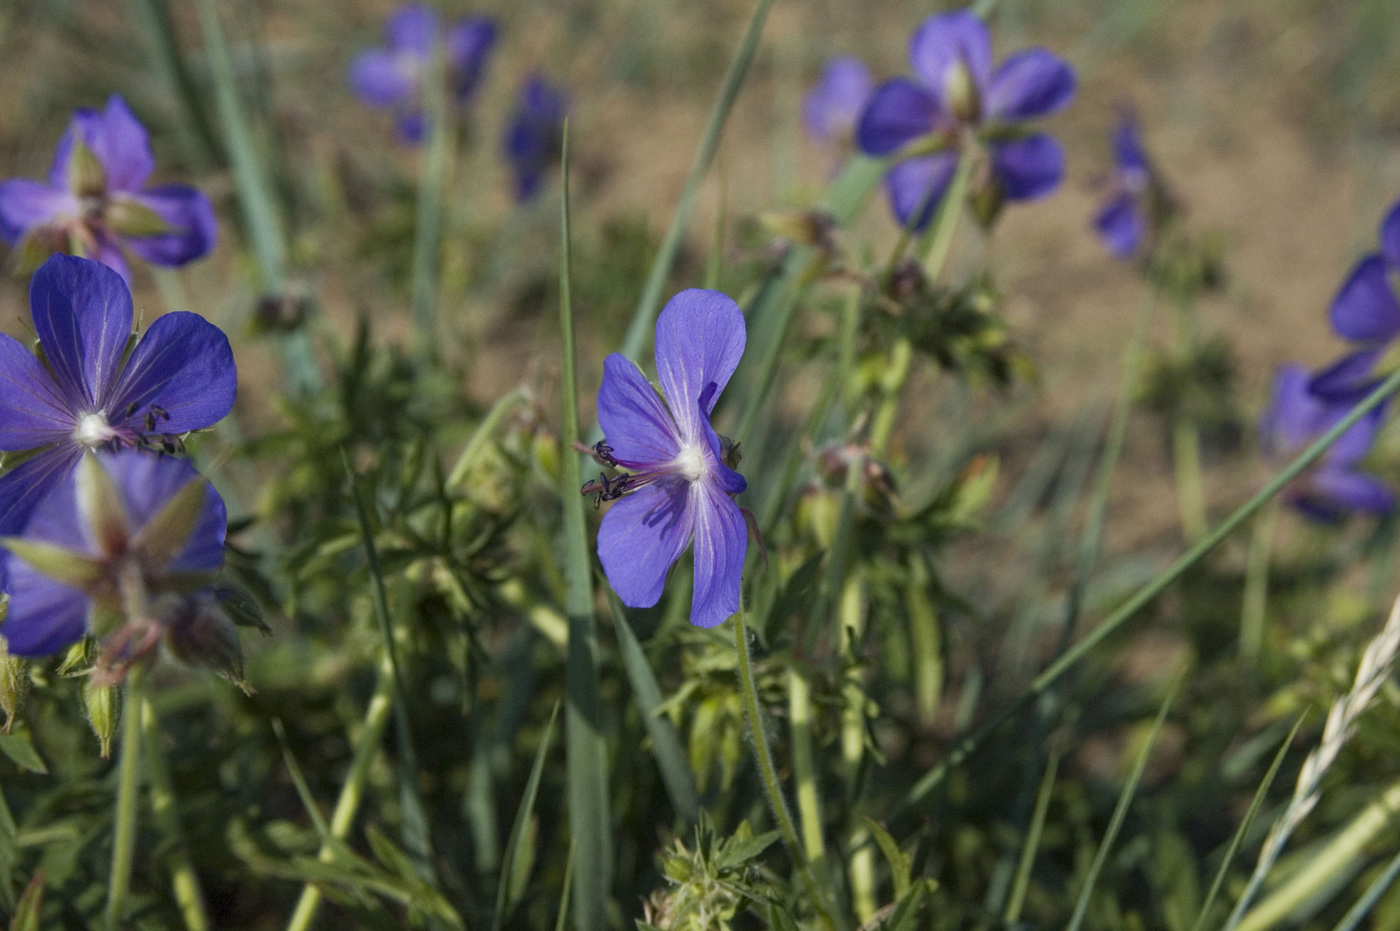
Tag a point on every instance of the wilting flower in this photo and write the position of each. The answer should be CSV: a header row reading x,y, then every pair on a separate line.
x,y
1335,486
532,137
96,201
957,106
126,532
392,76
831,108
1367,311
677,485
1127,216
92,389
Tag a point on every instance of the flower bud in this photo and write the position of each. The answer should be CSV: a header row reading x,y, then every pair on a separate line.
x,y
13,678
199,632
103,706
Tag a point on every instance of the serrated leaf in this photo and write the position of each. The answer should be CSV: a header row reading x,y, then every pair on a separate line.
x,y
18,748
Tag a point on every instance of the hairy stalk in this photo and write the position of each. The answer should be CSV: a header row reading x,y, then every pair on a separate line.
x,y
1256,586
128,781
1371,673
183,878
769,773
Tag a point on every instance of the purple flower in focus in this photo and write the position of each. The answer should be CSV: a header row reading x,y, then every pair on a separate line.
x,y
96,201
677,486
831,108
1125,219
1366,311
391,76
958,103
1335,486
532,137
129,526
88,392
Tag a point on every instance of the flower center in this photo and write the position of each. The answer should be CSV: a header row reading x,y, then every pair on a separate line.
x,y
94,430
690,462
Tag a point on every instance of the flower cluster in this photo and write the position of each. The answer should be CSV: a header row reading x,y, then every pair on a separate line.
x,y
957,107
96,202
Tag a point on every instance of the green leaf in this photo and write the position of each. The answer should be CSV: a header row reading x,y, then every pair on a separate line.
x,y
26,917
18,748
901,863
515,869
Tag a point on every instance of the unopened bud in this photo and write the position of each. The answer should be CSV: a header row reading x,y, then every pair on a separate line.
x,y
13,676
103,706
198,632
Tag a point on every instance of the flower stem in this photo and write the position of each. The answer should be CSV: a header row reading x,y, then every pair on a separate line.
x,y
1256,585
939,244
769,773
183,878
128,779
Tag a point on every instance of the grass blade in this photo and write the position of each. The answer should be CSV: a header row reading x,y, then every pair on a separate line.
x,y
522,823
644,318
665,742
1125,798
1022,881
194,130
1352,919
589,822
427,234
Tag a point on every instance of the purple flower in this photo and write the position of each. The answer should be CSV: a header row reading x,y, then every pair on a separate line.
x,y
391,76
532,137
1124,221
89,392
1366,311
1335,486
831,108
957,103
96,202
129,525
677,486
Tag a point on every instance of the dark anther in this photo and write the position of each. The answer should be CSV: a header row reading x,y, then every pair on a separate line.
x,y
606,489
131,408
150,422
160,412
604,452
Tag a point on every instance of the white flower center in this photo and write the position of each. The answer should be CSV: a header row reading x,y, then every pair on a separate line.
x,y
690,462
94,430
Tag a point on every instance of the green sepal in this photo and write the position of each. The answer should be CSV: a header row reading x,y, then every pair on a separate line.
x,y
86,176
65,566
101,508
166,534
132,219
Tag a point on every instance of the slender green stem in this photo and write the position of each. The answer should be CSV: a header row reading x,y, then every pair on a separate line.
x,y
939,244
769,773
1190,484
128,781
901,361
427,234
1147,593
183,878
1256,586
1354,916
1023,870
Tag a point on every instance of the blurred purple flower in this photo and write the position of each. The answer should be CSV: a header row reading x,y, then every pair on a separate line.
x,y
532,137
1367,311
47,614
1123,222
678,486
96,202
831,108
959,98
391,76
1335,486
89,392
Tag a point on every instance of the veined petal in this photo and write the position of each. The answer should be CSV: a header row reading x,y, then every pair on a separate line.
x,y
947,39
1349,378
32,411
24,487
44,616
642,535
635,423
1120,224
899,112
917,185
725,478
378,78
25,204
123,147
1390,237
1031,83
147,482
182,364
412,28
82,313
1366,307
193,230
1028,168
700,338
721,542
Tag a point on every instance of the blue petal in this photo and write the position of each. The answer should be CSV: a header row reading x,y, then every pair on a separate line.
x,y
1029,168
700,338
25,205
147,482
642,535
469,44
833,106
25,487
182,364
728,481
1390,238
1029,84
899,112
107,251
1120,224
1129,156
44,616
85,124
412,126
635,423
721,542
1366,308
412,28
1295,414
190,217
32,410
1353,490
123,147
82,313
945,40
379,79
1349,378
918,185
